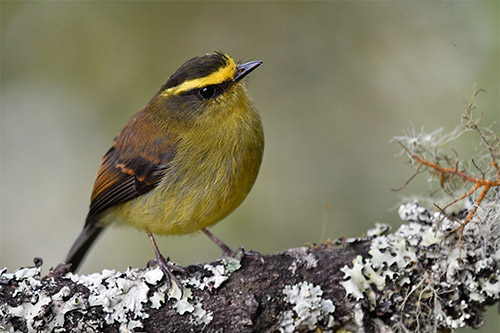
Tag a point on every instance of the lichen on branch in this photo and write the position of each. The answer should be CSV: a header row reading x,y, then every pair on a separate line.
x,y
474,178
410,280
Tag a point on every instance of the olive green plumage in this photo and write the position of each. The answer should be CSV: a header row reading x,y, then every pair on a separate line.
x,y
184,161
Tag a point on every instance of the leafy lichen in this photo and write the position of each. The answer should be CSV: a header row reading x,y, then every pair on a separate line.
x,y
122,296
309,308
430,280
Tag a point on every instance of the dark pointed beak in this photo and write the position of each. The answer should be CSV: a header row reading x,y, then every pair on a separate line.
x,y
245,69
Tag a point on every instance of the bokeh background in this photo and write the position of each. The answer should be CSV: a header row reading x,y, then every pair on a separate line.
x,y
339,80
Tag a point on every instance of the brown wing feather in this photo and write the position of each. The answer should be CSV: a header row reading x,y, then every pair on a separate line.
x,y
134,165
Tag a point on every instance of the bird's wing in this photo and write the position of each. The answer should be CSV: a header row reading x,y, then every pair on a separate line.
x,y
133,166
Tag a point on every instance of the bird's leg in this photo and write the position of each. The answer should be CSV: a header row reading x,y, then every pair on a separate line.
x,y
226,251
166,266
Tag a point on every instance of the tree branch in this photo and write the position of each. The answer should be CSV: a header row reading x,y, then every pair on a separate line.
x,y
409,280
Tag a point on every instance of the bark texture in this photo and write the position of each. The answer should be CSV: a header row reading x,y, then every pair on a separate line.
x,y
410,280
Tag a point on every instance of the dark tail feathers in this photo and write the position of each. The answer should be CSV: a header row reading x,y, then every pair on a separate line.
x,y
82,244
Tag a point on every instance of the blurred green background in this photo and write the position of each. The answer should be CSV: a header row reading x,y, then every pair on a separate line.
x,y
339,80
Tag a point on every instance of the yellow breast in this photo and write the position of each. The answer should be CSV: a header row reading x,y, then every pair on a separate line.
x,y
210,175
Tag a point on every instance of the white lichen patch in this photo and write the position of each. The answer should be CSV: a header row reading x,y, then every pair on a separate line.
x,y
389,255
219,275
418,272
361,279
309,308
232,264
122,297
301,257
379,230
200,316
26,272
183,305
38,303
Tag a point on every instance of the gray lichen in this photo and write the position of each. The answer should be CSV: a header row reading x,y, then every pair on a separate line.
x,y
309,308
424,280
412,280
302,257
121,296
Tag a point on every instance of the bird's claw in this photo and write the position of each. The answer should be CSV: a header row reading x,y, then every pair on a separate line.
x,y
240,251
168,268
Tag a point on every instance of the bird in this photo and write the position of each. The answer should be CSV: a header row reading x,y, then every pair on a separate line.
x,y
182,163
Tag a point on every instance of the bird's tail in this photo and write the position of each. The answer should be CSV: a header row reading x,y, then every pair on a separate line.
x,y
82,244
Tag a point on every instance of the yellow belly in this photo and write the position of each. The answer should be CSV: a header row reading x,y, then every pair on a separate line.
x,y
208,178
188,205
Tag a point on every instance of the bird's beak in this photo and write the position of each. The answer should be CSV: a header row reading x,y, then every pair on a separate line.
x,y
245,69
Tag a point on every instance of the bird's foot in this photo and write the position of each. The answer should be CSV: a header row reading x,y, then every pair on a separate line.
x,y
227,252
59,270
252,254
168,268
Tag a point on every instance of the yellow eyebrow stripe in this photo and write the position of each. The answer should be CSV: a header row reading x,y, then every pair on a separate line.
x,y
222,74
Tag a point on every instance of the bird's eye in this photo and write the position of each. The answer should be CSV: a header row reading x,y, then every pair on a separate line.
x,y
207,92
